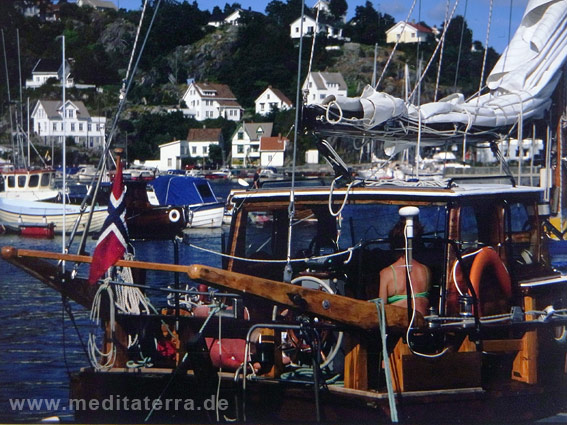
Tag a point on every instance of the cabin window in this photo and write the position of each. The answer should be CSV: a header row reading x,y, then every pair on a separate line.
x,y
11,181
522,234
205,191
469,227
34,180
45,179
22,181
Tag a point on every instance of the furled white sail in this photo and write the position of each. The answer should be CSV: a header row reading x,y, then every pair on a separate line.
x,y
520,84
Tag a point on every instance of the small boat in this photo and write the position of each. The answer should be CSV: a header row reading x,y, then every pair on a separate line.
x,y
15,212
151,222
86,173
28,185
195,194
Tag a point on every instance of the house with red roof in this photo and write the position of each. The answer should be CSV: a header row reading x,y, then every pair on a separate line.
x,y
408,32
272,151
210,100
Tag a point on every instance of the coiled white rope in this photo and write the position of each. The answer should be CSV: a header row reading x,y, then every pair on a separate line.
x,y
108,358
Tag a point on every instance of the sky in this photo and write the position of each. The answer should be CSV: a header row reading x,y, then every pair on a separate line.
x,y
506,14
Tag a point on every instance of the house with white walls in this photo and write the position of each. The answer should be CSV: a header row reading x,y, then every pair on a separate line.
x,y
407,32
98,4
313,26
270,100
172,154
199,141
45,69
87,131
246,142
211,100
319,85
272,151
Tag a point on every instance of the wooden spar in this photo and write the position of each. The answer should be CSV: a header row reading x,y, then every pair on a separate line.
x,y
349,311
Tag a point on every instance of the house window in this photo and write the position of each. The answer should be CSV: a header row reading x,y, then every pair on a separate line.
x,y
81,127
268,96
296,29
204,150
261,106
169,162
72,126
89,127
240,135
322,96
54,126
270,157
240,149
193,150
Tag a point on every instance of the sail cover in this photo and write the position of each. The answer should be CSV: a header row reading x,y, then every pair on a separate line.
x,y
182,190
520,84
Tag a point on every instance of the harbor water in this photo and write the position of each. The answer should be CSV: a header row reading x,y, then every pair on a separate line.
x,y
43,339
41,343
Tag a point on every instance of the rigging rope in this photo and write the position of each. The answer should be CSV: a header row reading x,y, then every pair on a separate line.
x,y
460,46
395,46
446,24
441,40
102,162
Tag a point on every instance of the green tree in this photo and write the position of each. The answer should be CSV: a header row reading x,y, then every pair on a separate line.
x,y
369,26
338,8
283,14
215,155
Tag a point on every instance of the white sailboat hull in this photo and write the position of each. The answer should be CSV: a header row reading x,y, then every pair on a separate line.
x,y
29,212
206,216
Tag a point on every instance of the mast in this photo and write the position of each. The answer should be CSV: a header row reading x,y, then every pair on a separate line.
x,y
9,97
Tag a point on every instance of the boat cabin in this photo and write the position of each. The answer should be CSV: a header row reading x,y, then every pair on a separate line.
x,y
355,224
28,185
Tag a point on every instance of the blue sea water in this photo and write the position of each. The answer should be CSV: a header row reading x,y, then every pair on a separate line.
x,y
39,345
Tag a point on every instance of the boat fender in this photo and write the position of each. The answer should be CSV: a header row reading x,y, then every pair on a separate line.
x,y
174,216
488,260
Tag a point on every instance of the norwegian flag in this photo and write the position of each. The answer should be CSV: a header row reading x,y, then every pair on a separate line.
x,y
113,240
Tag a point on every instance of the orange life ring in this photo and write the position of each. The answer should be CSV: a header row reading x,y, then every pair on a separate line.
x,y
487,260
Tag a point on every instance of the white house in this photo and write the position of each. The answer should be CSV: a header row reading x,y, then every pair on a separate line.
x,y
270,100
312,26
210,101
246,142
407,32
272,150
172,154
87,131
234,17
217,20
319,85
45,69
200,140
98,4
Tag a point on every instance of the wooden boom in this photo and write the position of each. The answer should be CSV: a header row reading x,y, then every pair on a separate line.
x,y
338,308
